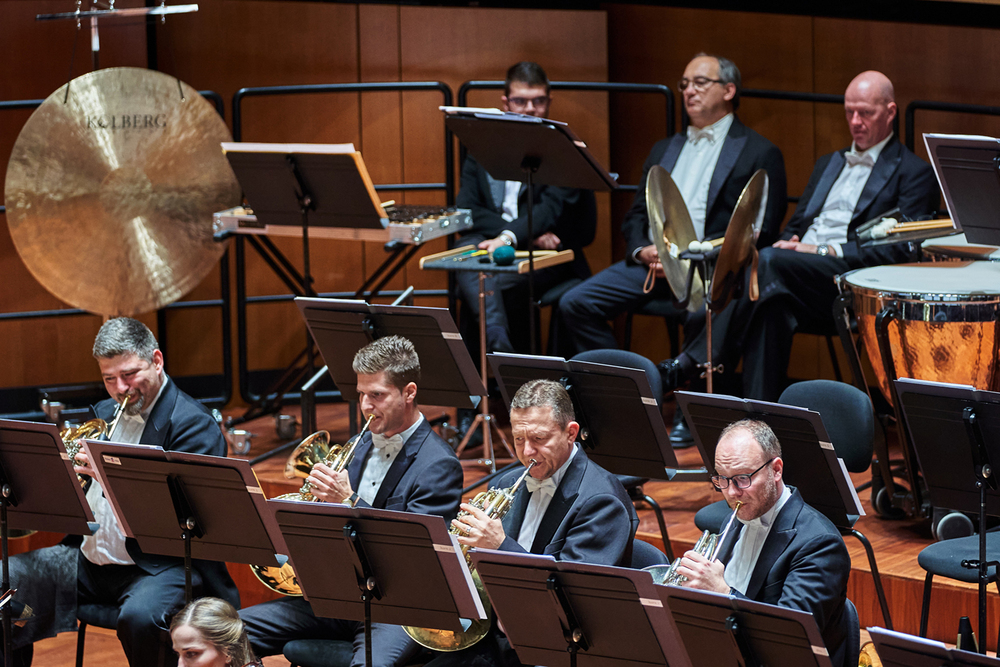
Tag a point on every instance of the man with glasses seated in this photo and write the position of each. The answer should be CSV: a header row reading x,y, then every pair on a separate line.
x,y
780,551
711,164
562,218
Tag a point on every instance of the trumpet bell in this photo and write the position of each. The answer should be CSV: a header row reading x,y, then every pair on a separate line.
x,y
868,657
310,451
673,231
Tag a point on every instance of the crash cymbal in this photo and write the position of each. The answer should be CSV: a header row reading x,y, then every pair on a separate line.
x,y
110,190
739,247
672,232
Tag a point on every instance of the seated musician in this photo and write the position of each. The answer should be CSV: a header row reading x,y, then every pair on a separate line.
x,y
401,465
108,568
562,218
711,164
848,187
781,551
569,508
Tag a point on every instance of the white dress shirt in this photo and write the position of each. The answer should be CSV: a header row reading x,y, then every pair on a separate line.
x,y
751,541
539,503
695,165
830,226
384,451
512,190
107,545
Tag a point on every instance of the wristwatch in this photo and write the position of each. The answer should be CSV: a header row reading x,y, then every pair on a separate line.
x,y
823,250
353,500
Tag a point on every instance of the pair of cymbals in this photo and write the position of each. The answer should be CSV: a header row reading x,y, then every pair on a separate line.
x,y
673,232
111,187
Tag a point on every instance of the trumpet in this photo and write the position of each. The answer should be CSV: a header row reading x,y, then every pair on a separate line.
x,y
708,546
495,503
312,450
93,429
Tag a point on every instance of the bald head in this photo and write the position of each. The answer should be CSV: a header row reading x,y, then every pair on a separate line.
x,y
870,105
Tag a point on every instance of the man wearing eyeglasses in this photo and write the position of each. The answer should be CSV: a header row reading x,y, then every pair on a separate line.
x,y
875,174
780,551
711,164
562,218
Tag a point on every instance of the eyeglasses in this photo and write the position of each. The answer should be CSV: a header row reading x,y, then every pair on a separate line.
x,y
741,481
522,102
700,83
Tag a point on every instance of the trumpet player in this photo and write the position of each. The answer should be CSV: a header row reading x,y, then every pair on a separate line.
x,y
785,552
569,508
401,464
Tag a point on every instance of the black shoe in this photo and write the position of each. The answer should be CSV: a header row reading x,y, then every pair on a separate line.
x,y
671,374
680,434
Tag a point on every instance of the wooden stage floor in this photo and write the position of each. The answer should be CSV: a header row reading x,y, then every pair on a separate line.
x,y
896,545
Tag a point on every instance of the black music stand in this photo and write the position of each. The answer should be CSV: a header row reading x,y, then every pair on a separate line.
x,y
38,491
378,566
604,398
968,171
559,613
721,630
955,432
896,649
517,147
216,502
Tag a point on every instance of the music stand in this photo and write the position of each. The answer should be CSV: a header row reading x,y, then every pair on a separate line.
x,y
966,168
955,431
559,613
216,502
38,491
722,630
408,569
604,398
896,649
517,147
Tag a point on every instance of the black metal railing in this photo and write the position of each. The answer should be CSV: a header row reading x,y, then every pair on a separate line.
x,y
952,107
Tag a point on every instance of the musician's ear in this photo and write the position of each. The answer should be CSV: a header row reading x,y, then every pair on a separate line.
x,y
572,429
778,467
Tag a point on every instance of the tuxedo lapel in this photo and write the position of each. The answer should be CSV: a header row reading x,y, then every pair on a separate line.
x,y
673,151
496,189
515,515
885,167
401,464
357,464
155,431
825,184
562,500
732,147
725,551
778,539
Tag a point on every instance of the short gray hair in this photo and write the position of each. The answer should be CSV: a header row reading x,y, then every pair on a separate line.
x,y
392,355
542,393
124,335
728,73
760,432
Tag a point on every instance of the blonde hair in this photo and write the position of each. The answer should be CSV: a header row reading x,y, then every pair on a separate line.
x,y
220,625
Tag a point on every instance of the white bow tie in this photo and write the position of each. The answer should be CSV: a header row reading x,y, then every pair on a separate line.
x,y
695,135
547,485
391,444
854,159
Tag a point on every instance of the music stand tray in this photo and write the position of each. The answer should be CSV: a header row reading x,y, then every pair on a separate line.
x,y
811,464
604,398
896,649
151,490
466,259
341,327
45,491
618,613
720,630
418,568
966,168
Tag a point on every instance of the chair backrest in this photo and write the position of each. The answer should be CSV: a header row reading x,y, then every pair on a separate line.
x,y
645,554
852,648
626,359
847,415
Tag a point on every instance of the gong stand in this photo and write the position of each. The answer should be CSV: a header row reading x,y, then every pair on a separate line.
x,y
704,264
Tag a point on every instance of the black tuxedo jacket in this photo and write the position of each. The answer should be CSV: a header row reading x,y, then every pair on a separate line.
x,y
425,477
743,153
589,520
899,178
569,213
180,423
804,565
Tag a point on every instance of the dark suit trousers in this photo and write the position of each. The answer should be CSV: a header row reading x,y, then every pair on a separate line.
x,y
586,309
271,624
146,604
796,290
